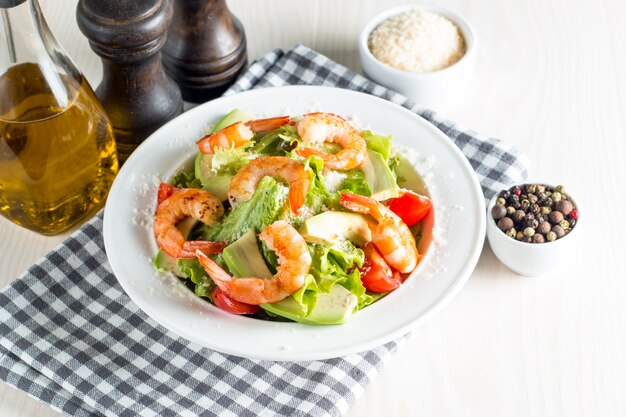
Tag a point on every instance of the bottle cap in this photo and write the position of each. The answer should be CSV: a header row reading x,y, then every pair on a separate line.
x,y
7,4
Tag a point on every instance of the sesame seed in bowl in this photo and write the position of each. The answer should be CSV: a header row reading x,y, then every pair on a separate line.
x,y
418,41
425,53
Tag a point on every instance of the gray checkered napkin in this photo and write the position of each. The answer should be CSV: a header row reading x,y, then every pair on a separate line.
x,y
71,337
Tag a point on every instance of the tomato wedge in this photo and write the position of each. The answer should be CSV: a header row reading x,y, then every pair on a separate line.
x,y
411,207
376,274
165,191
223,301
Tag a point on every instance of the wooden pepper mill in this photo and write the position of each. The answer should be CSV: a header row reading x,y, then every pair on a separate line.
x,y
205,49
135,91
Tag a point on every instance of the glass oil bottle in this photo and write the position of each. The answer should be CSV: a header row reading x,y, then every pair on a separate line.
x,y
57,152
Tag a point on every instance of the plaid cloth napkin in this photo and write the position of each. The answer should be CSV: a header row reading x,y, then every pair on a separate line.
x,y
71,337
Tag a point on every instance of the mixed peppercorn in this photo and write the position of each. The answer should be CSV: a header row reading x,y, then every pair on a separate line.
x,y
535,213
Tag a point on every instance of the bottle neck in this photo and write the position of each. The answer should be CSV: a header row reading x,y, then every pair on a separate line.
x,y
17,34
26,37
8,32
31,61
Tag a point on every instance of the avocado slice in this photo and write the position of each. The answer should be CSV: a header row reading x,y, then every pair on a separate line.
x,y
217,185
334,307
168,263
244,259
165,262
202,166
236,115
214,184
288,308
379,177
331,226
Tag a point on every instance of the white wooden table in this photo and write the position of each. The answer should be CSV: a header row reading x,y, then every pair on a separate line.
x,y
551,78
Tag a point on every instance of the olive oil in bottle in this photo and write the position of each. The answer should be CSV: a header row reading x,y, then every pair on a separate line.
x,y
57,151
56,164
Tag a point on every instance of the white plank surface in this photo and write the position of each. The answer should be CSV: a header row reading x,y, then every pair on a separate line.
x,y
551,78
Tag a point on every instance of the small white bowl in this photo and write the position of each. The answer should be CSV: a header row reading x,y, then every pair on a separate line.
x,y
438,89
530,259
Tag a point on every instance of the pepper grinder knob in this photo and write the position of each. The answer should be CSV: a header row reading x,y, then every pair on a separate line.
x,y
205,49
135,91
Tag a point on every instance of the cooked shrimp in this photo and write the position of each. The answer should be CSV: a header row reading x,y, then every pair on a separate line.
x,y
239,133
390,235
294,262
187,202
314,128
244,183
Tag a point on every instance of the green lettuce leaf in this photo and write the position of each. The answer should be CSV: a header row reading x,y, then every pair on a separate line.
x,y
271,259
186,180
355,183
264,207
229,161
375,296
278,142
297,305
317,197
338,264
197,275
354,284
381,144
346,255
320,198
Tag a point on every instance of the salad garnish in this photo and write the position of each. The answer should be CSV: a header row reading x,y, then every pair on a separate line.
x,y
290,219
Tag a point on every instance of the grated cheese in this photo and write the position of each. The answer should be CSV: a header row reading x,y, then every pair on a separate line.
x,y
333,180
417,41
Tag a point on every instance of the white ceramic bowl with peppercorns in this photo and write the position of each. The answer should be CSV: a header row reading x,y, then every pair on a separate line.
x,y
529,247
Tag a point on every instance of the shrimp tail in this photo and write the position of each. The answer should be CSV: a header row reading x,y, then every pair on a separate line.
x,y
360,204
297,195
265,125
241,289
308,152
187,249
221,278
232,136
205,246
249,290
239,133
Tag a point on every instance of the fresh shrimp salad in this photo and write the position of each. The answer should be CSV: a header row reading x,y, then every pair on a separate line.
x,y
290,219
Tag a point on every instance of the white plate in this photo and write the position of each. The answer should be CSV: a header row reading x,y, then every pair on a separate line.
x,y
458,237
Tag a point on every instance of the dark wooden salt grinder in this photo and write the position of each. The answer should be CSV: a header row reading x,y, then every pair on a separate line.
x,y
135,91
205,49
